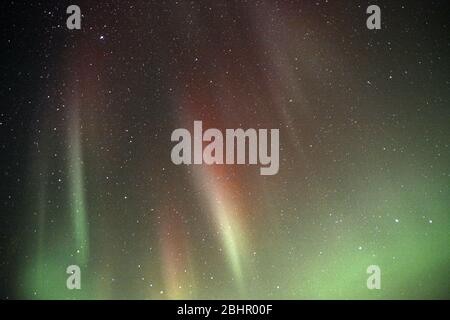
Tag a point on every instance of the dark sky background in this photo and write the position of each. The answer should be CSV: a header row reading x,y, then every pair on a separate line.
x,y
85,124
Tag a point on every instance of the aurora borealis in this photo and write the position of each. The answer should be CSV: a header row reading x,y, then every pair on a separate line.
x,y
86,123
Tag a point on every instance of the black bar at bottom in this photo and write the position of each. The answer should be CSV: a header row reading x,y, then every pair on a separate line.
x,y
228,309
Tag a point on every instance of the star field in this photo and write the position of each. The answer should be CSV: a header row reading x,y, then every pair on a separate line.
x,y
87,178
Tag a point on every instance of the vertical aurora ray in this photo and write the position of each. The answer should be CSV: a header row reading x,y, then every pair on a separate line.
x,y
177,268
227,221
76,177
58,245
40,250
229,231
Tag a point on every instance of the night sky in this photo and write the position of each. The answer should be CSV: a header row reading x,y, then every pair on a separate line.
x,y
86,175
